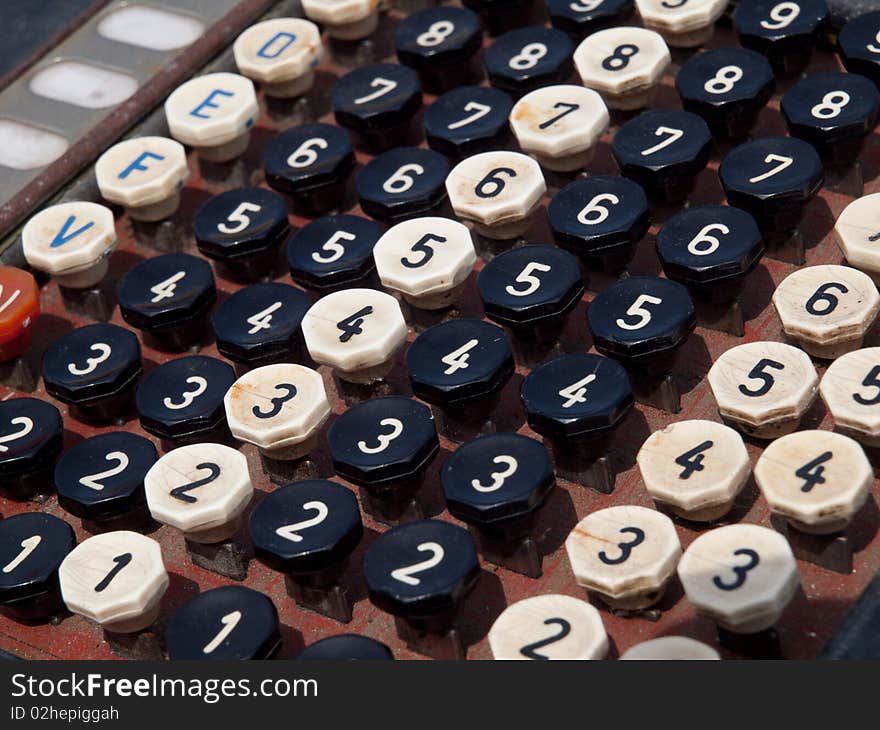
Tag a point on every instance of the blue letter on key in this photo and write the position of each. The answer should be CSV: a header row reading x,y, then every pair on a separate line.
x,y
138,164
263,52
64,235
209,103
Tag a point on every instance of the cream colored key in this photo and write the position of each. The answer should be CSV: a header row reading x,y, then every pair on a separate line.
x,y
427,260
498,192
213,113
763,388
279,408
201,489
626,554
280,54
695,468
356,332
827,309
740,576
684,24
549,627
623,64
71,242
145,174
116,579
560,125
674,648
858,234
817,480
347,20
851,391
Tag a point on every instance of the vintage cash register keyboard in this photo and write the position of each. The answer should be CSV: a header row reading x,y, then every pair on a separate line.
x,y
434,329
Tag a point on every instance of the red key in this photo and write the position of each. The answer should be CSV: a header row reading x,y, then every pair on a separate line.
x,y
19,309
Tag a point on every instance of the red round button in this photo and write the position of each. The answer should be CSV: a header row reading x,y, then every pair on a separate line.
x,y
19,309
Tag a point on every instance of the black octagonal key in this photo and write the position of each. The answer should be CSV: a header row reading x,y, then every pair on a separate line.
x,y
663,150
311,163
421,573
496,484
458,361
260,324
31,438
306,527
385,445
710,249
579,18
458,366
642,321
529,58
333,252
308,530
32,547
242,230
772,178
441,44
346,647
468,120
182,400
601,219
785,32
227,623
728,87
102,478
402,183
530,286
859,44
640,318
94,370
378,104
834,112
576,397
169,298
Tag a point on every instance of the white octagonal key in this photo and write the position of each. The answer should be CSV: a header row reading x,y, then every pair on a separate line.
x,y
695,468
71,242
858,234
145,174
675,648
425,259
281,54
279,408
827,309
740,576
683,23
626,554
344,19
201,489
851,391
498,192
763,388
623,64
549,627
214,114
560,125
817,480
116,579
356,332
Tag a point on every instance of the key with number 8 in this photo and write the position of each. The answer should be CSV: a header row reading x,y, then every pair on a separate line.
x,y
623,64
530,58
